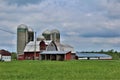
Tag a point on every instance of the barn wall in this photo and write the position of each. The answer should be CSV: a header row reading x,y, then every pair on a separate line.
x,y
73,56
30,55
21,57
68,56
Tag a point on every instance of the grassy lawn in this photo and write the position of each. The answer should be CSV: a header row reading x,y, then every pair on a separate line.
x,y
60,70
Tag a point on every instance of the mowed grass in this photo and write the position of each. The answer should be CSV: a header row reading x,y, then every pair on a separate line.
x,y
60,70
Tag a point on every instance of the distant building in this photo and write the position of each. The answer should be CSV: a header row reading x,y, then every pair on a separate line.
x,y
5,55
93,56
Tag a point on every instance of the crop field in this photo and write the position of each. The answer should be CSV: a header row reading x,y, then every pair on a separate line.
x,y
60,70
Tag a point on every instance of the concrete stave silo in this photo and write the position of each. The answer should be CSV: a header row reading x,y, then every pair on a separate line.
x,y
22,38
24,35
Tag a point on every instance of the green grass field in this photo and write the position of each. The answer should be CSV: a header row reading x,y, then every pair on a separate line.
x,y
60,70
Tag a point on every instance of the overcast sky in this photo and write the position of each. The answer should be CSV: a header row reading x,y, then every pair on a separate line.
x,y
85,24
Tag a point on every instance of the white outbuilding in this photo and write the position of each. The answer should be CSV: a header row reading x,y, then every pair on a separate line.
x,y
5,55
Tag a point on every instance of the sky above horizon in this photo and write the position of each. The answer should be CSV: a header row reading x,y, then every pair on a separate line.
x,y
87,25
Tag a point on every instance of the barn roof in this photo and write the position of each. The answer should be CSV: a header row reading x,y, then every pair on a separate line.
x,y
31,46
64,47
54,52
5,53
92,55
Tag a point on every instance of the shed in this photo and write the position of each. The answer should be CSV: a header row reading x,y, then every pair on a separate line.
x,y
5,55
88,56
55,55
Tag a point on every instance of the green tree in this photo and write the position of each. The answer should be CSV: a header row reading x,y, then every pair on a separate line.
x,y
14,55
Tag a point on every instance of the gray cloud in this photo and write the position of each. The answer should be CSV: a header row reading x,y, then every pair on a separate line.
x,y
113,9
23,2
81,22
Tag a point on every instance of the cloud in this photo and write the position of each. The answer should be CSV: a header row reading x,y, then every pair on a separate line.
x,y
79,21
23,2
113,9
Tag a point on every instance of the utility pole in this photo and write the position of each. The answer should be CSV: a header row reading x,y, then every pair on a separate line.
x,y
35,48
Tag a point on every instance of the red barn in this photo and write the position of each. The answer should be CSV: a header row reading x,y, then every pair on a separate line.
x,y
33,49
46,50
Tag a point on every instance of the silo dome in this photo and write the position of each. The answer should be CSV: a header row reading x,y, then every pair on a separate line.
x,y
22,26
30,34
55,31
47,32
22,38
40,38
30,30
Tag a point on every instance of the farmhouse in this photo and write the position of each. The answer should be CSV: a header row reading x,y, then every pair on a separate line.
x,y
5,55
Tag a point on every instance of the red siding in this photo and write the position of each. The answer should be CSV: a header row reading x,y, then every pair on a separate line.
x,y
21,57
42,45
68,56
31,55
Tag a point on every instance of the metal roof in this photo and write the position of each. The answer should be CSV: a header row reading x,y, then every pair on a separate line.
x,y
5,53
30,47
64,47
54,52
92,55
